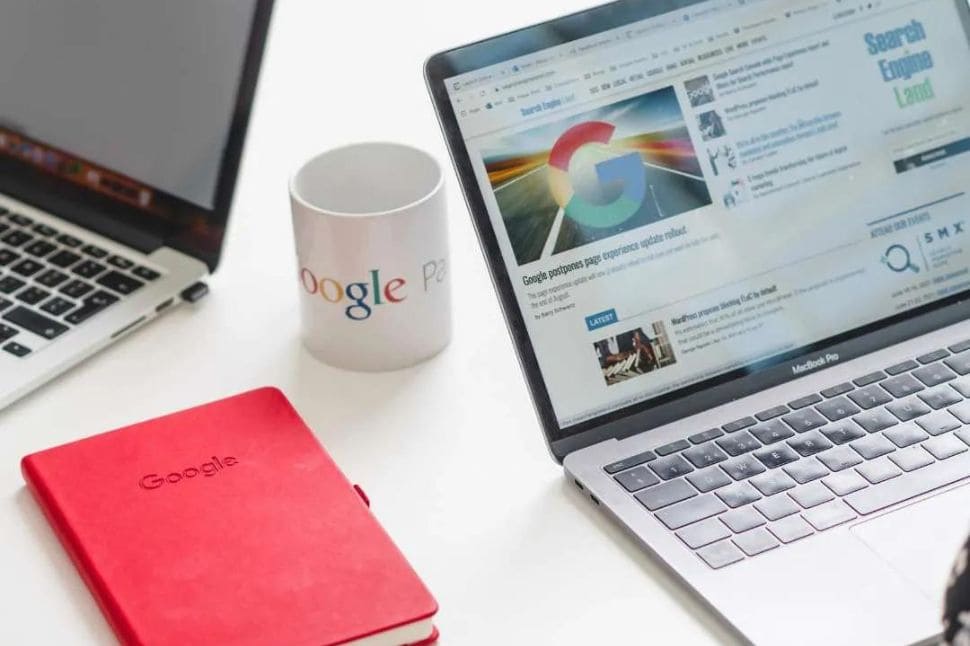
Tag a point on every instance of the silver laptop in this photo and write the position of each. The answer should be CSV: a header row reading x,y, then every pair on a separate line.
x,y
732,242
121,131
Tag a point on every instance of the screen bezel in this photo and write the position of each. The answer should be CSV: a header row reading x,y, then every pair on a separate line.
x,y
192,229
698,397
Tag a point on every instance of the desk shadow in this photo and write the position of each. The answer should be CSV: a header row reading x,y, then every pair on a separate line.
x,y
716,627
68,577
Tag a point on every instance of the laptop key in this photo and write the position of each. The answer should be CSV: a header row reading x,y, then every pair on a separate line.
x,y
777,507
703,533
742,467
91,305
878,470
739,424
771,413
7,256
32,295
690,511
805,420
809,444
790,529
39,248
20,219
940,397
845,482
876,420
78,288
806,470
709,479
873,446
735,445
666,449
5,303
772,482
906,435
124,284
900,368
9,284
670,467
930,357
962,346
871,378
934,375
68,240
776,456
704,455
120,263
842,432
944,446
961,411
802,402
773,431
145,273
738,494
959,364
89,269
636,479
902,386
37,323
16,349
720,554
7,332
17,238
743,519
632,461
27,267
755,541
839,458
811,495
938,423
63,259
908,409
705,436
870,397
840,389
964,434
961,385
838,408
57,306
51,278
93,251
912,458
663,495
45,230
829,515
910,485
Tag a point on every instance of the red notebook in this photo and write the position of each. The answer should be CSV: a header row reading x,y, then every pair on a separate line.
x,y
228,524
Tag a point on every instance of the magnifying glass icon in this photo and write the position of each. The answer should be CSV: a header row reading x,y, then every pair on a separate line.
x,y
898,259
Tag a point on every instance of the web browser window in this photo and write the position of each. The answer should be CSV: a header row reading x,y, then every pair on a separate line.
x,y
704,190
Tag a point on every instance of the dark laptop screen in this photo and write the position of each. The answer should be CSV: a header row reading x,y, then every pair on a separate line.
x,y
710,189
131,100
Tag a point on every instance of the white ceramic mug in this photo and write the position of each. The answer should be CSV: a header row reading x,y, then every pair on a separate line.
x,y
371,232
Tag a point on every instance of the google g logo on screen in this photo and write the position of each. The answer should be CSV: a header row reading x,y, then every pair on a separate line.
x,y
606,186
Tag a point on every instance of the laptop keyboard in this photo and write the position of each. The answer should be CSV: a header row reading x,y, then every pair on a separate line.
x,y
793,470
51,281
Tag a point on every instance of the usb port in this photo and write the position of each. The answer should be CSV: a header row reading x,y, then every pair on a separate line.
x,y
164,306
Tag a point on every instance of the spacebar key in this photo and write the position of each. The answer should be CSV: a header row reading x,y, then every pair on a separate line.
x,y
910,485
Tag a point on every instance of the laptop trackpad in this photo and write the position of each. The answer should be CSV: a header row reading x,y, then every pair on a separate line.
x,y
921,541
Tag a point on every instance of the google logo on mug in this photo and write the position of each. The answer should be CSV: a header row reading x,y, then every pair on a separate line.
x,y
357,293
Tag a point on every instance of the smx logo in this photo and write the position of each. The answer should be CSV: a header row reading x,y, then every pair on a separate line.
x,y
595,184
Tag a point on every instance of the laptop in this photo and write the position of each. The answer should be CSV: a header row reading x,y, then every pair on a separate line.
x,y
730,239
121,131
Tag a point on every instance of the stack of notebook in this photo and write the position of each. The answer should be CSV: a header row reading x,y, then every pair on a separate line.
x,y
228,524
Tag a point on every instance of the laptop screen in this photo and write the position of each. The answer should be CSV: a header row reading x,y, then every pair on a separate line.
x,y
710,189
130,100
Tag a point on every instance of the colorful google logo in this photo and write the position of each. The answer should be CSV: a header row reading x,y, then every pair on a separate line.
x,y
626,171
362,296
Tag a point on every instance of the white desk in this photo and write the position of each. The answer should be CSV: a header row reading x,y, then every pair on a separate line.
x,y
449,452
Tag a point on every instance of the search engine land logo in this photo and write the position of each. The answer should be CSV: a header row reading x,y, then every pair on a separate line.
x,y
606,187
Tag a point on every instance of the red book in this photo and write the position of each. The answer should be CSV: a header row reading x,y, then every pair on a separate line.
x,y
228,524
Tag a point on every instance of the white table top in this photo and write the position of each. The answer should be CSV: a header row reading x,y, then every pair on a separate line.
x,y
450,452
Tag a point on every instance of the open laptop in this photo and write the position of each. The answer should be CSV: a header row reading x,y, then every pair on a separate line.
x,y
732,243
121,131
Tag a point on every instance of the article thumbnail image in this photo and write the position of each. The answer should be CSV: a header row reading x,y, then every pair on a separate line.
x,y
595,175
699,91
634,353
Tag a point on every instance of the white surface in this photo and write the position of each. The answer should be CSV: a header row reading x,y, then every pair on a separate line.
x,y
449,452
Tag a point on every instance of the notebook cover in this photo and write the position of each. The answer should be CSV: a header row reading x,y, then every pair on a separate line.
x,y
224,524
